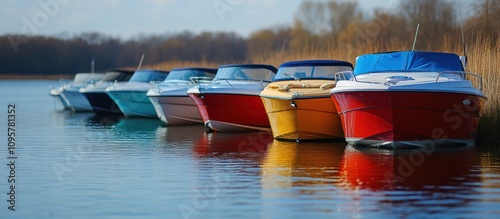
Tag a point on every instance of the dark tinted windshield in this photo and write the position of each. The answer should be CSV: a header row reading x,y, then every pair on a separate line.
x,y
116,76
148,75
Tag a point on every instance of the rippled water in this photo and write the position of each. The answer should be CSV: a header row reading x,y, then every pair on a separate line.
x,y
85,166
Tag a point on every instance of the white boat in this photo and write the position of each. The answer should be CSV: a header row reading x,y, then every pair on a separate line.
x,y
69,94
409,99
232,102
131,97
95,93
170,99
56,93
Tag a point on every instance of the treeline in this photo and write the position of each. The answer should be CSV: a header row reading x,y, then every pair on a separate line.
x,y
332,25
54,55
327,25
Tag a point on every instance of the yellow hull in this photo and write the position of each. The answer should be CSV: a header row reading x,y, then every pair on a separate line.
x,y
299,114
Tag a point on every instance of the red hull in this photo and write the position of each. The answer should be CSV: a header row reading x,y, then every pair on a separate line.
x,y
229,112
379,118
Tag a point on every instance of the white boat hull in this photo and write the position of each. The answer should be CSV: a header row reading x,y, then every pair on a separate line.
x,y
176,110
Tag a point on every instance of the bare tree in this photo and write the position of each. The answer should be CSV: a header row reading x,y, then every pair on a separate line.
x,y
311,16
437,18
318,23
264,42
341,14
486,20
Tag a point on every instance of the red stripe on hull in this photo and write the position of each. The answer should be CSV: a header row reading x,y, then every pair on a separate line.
x,y
243,110
408,116
201,106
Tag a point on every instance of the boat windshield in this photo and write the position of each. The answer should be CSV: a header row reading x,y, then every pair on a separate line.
x,y
244,73
148,75
309,72
87,77
116,76
186,74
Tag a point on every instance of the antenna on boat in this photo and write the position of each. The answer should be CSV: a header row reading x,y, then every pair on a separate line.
x,y
92,65
463,37
415,39
140,62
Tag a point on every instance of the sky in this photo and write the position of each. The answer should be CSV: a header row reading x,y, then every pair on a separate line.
x,y
128,18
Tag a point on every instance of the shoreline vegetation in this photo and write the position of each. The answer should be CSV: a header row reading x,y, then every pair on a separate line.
x,y
328,29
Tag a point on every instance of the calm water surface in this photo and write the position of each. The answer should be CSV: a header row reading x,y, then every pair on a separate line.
x,y
85,166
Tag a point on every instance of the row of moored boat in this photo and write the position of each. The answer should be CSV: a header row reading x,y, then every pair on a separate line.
x,y
392,99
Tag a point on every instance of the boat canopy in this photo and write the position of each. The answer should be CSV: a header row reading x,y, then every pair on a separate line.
x,y
407,61
316,63
311,69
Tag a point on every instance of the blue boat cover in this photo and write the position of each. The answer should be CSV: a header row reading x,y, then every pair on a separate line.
x,y
407,61
316,63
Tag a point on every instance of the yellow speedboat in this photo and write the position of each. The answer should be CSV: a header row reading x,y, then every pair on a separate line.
x,y
298,101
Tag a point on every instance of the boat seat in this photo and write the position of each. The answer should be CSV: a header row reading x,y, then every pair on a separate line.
x,y
327,86
287,87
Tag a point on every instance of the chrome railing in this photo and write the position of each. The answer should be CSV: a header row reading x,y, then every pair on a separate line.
x,y
462,75
345,76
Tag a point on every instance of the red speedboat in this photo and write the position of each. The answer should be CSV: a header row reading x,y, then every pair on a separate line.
x,y
232,102
409,98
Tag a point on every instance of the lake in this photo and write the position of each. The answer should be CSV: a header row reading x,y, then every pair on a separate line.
x,y
79,165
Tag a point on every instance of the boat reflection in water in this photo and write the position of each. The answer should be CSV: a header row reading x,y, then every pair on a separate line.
x,y
233,145
354,180
179,135
103,120
136,127
176,140
422,169
373,169
418,181
289,164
